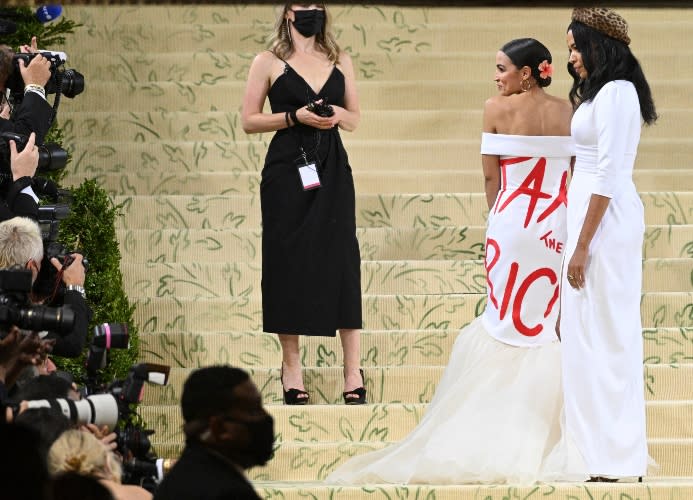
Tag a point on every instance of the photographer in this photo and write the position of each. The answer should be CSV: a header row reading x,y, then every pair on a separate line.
x,y
32,116
21,245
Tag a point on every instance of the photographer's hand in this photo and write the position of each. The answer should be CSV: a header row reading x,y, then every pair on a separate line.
x,y
24,164
38,72
109,439
74,274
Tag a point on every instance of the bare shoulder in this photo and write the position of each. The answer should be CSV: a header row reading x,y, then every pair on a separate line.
x,y
496,105
345,63
265,59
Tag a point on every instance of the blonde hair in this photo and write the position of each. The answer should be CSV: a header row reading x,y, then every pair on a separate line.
x,y
82,452
20,242
282,46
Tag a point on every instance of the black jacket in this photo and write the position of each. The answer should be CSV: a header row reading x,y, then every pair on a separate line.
x,y
201,474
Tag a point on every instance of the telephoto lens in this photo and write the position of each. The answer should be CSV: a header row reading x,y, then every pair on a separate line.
x,y
111,336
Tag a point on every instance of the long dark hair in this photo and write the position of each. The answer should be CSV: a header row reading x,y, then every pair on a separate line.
x,y
606,59
531,53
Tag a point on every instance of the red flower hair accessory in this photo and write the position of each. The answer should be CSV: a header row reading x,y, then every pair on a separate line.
x,y
545,69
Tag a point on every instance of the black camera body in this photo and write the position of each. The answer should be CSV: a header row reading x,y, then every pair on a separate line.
x,y
67,82
320,108
17,309
51,156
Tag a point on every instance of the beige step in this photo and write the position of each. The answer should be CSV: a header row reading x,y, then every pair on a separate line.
x,y
365,182
345,13
94,158
675,489
314,461
401,210
405,384
432,94
388,422
378,347
376,34
243,311
406,277
428,240
138,68
225,125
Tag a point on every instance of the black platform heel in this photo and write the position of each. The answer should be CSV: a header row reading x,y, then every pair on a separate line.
x,y
293,396
359,392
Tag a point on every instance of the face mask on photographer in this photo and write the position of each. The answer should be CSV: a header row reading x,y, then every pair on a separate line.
x,y
309,22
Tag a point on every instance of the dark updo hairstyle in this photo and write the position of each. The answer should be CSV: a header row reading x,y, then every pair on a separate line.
x,y
606,59
531,53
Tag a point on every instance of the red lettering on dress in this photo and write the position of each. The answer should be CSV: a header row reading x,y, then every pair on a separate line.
x,y
531,187
504,175
512,276
561,199
490,242
543,272
552,243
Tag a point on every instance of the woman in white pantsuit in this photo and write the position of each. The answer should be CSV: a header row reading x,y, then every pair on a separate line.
x,y
600,299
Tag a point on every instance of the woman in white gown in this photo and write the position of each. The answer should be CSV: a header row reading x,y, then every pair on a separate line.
x,y
600,302
495,415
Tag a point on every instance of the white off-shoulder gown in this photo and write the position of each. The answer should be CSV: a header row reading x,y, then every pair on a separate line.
x,y
495,416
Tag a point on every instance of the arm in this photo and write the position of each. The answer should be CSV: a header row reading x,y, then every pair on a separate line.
x,y
72,344
349,116
20,199
252,118
490,163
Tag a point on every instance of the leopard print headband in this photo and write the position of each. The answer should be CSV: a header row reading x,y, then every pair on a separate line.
x,y
604,20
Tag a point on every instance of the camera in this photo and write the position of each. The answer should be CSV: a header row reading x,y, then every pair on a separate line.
x,y
17,309
320,108
98,409
51,156
67,82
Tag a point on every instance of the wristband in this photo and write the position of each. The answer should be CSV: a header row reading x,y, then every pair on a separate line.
x,y
286,117
33,87
292,114
77,288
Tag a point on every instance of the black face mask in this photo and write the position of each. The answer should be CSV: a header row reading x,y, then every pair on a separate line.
x,y
309,22
261,441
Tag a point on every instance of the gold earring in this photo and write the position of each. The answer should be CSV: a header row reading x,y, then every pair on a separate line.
x,y
522,85
288,31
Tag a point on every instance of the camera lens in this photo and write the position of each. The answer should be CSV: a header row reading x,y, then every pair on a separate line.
x,y
111,336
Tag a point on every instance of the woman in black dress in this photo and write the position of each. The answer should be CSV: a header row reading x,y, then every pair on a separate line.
x,y
311,282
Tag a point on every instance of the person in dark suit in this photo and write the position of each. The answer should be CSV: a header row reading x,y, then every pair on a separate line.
x,y
32,114
227,431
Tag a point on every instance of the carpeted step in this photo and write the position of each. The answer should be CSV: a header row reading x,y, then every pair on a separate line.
x,y
225,125
365,182
378,347
399,384
227,95
387,36
98,158
346,13
314,461
243,311
427,241
371,65
386,422
665,490
409,277
397,210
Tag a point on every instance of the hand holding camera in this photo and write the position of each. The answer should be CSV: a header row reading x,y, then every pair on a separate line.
x,y
23,162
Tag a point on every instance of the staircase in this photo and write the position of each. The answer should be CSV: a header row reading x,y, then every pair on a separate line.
x,y
159,127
